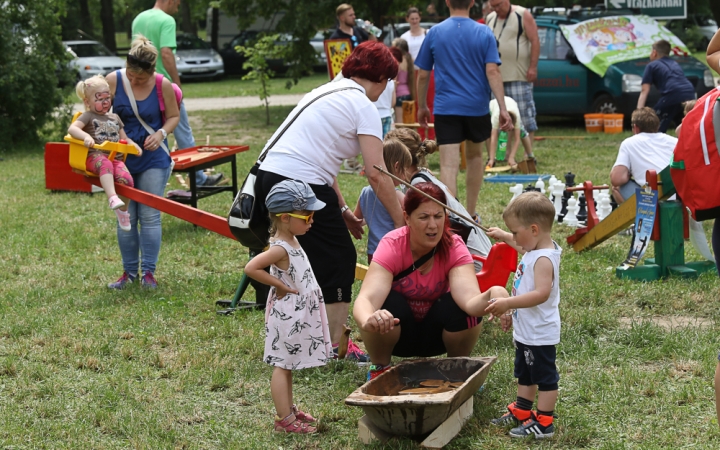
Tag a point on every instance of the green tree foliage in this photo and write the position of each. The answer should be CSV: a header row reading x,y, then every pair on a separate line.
x,y
33,65
264,49
303,18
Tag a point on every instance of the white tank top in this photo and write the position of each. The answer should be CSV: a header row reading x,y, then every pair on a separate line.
x,y
539,325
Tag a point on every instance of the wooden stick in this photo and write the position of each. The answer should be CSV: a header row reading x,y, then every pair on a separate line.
x,y
462,216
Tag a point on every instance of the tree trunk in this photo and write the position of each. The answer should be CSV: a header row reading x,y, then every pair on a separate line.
x,y
187,24
86,21
106,16
214,28
715,8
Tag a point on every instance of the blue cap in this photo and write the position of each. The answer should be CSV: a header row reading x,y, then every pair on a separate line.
x,y
292,195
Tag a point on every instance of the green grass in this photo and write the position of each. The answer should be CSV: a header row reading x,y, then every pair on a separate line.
x,y
702,56
82,367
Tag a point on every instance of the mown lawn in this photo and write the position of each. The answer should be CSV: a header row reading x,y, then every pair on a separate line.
x,y
83,367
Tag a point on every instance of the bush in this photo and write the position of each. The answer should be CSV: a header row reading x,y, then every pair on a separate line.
x,y
33,67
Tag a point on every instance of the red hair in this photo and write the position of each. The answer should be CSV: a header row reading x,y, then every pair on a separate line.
x,y
372,61
414,199
397,53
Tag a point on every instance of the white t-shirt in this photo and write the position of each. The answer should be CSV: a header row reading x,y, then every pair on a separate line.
x,y
539,325
512,107
384,102
645,151
324,135
414,42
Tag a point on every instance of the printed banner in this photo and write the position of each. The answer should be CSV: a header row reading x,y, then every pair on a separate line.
x,y
644,220
336,51
602,42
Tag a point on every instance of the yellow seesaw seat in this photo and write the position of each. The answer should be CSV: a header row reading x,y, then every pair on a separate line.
x,y
79,153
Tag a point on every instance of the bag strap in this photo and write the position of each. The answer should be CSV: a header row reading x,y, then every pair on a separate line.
x,y
264,153
133,104
423,176
416,265
158,86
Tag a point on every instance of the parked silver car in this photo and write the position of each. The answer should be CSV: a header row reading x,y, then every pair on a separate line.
x,y
91,58
196,59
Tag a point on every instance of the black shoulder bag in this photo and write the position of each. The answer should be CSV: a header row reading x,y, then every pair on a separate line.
x,y
248,219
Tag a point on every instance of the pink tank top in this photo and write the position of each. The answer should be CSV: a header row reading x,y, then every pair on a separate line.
x,y
402,84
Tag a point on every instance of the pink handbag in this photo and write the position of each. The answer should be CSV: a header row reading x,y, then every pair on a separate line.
x,y
178,93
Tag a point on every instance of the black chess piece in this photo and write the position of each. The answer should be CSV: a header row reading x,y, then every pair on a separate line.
x,y
530,188
569,179
613,203
563,211
582,213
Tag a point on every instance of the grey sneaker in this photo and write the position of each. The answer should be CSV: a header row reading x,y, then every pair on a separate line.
x,y
532,427
212,180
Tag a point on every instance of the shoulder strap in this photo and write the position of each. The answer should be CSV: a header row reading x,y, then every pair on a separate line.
x,y
158,85
133,104
423,176
264,153
416,265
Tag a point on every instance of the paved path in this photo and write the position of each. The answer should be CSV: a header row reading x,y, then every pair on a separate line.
x,y
204,104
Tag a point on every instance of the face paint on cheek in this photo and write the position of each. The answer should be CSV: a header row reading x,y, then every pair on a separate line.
x,y
103,102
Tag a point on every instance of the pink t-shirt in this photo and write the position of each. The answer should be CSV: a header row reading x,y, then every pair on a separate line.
x,y
402,83
421,291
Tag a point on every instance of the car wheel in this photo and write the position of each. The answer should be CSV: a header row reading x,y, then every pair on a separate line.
x,y
605,104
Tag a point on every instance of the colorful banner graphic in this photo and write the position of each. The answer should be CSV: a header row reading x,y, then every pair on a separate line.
x,y
336,50
602,42
645,213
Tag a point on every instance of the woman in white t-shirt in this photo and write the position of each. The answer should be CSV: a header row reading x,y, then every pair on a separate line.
x,y
416,34
321,134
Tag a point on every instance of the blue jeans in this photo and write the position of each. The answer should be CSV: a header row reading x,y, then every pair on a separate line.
x,y
146,240
185,139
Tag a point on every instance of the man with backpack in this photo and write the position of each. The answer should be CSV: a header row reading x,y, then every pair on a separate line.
x,y
158,25
646,149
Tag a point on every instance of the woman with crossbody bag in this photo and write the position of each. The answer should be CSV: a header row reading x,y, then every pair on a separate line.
x,y
138,106
334,122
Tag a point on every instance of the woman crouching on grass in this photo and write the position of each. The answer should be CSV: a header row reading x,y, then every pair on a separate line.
x,y
420,296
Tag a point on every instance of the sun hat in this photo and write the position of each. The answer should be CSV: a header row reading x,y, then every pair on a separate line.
x,y
292,195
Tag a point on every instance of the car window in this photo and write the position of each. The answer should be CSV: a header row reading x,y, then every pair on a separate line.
x,y
562,46
542,34
189,42
90,49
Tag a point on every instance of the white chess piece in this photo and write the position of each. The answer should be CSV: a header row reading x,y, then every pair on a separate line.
x,y
604,207
516,191
570,218
540,184
551,186
558,190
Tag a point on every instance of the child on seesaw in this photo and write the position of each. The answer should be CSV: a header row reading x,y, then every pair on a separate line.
x,y
532,311
398,161
95,126
296,325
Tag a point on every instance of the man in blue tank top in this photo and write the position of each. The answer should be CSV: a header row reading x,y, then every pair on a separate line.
x,y
667,76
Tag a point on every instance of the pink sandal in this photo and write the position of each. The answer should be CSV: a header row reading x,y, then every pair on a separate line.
x,y
292,424
303,416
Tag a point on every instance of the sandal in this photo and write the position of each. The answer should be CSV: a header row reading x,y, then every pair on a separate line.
x,y
292,424
303,416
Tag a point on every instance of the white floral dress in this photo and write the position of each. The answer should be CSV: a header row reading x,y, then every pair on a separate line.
x,y
296,326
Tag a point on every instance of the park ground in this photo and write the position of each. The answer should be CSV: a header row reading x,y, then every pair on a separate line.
x,y
84,367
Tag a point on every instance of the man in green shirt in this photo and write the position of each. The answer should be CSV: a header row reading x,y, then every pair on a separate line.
x,y
158,25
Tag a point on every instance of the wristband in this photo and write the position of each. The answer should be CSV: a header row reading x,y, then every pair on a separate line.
x,y
343,209
164,133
